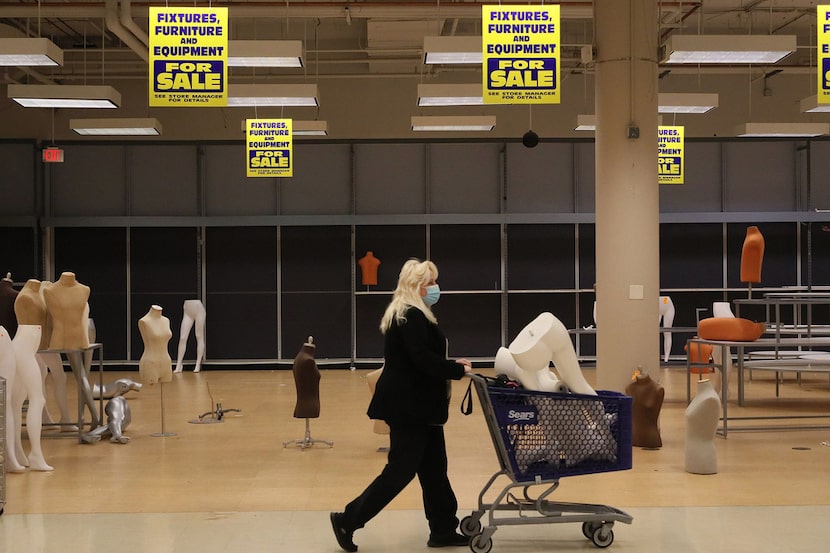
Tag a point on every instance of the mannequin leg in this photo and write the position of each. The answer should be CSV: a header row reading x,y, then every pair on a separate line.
x,y
44,372
184,332
668,322
564,358
200,340
18,460
31,386
52,364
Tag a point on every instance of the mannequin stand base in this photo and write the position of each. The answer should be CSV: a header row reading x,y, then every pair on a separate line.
x,y
307,441
163,434
217,415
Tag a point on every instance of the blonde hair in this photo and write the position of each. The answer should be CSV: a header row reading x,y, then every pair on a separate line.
x,y
414,274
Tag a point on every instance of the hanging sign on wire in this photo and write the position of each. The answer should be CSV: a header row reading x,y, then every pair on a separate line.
x,y
670,148
269,148
520,54
188,57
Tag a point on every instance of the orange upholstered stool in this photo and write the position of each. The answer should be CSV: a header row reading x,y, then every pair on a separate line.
x,y
700,355
730,329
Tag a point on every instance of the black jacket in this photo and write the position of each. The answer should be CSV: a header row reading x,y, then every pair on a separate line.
x,y
413,387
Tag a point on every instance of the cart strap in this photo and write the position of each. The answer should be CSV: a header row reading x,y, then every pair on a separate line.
x,y
500,381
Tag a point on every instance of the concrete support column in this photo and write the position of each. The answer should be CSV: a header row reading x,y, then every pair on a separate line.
x,y
627,199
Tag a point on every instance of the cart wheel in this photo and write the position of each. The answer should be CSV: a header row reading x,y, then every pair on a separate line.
x,y
477,545
589,527
602,538
470,526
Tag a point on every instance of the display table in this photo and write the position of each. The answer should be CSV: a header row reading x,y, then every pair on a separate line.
x,y
80,360
778,364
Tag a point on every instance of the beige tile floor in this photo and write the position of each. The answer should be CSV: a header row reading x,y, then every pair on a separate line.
x,y
233,487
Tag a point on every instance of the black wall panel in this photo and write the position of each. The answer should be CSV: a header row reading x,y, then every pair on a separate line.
x,y
98,257
468,256
541,257
316,258
19,257
240,325
392,245
691,255
780,261
471,323
369,309
325,316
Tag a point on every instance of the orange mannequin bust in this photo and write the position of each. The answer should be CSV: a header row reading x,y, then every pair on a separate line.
x,y
369,269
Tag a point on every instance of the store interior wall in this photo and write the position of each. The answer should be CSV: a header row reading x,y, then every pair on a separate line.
x,y
274,259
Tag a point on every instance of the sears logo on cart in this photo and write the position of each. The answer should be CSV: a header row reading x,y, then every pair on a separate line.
x,y
522,415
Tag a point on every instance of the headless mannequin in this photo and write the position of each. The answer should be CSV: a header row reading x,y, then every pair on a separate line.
x,y
8,368
193,312
752,257
647,399
66,301
8,295
307,382
369,269
543,340
28,384
702,416
666,320
721,309
30,309
155,364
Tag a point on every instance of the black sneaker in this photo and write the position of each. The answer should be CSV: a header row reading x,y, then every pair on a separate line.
x,y
344,537
448,540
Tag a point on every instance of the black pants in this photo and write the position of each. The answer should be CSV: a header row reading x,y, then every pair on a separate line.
x,y
413,450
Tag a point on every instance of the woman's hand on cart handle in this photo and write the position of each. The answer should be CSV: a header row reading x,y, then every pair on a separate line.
x,y
468,367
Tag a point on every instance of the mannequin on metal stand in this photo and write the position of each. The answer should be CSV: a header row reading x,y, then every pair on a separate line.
x,y
307,382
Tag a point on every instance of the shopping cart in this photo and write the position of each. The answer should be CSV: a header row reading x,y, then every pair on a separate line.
x,y
540,437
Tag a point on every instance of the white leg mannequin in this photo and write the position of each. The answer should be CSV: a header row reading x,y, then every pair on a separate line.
x,y
28,383
544,340
193,312
51,364
667,319
721,309
8,366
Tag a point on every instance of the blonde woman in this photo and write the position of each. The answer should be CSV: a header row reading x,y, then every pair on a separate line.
x,y
412,397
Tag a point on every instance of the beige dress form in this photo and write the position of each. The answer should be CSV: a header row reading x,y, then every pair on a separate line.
x,y
66,301
155,364
30,309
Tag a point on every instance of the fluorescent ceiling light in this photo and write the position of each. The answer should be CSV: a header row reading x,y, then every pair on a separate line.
x,y
811,105
782,129
691,102
586,123
302,128
589,122
450,95
272,95
454,123
309,128
29,51
64,96
703,49
265,53
116,127
452,49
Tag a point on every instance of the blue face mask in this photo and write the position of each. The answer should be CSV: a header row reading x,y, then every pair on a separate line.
x,y
433,293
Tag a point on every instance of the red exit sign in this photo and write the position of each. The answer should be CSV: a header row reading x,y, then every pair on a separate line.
x,y
52,155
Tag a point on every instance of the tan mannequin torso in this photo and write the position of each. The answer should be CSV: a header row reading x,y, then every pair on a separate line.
x,y
155,364
30,309
66,301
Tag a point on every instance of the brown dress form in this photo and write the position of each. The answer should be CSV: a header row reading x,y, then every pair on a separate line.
x,y
66,302
8,295
369,269
307,382
647,400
